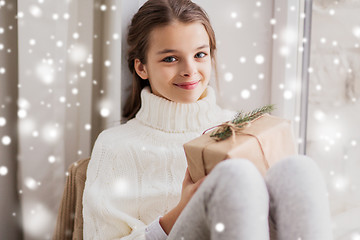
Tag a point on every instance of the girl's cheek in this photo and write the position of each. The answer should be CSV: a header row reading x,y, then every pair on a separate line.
x,y
207,69
167,73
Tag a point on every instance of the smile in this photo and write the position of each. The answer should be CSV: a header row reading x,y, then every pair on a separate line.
x,y
187,85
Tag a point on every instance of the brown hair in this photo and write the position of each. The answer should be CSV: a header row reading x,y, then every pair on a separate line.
x,y
157,13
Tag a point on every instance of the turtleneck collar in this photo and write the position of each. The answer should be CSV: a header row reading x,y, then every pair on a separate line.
x,y
169,116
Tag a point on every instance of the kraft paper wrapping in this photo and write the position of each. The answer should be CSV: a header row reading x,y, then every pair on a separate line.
x,y
265,141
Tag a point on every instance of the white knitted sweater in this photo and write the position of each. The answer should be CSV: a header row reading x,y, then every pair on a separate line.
x,y
136,169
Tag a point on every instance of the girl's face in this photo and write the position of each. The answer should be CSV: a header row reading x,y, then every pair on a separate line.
x,y
178,62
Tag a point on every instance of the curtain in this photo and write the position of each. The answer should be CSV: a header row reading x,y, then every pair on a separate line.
x,y
70,86
60,87
10,218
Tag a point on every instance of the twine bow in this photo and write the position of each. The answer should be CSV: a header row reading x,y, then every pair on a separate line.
x,y
234,128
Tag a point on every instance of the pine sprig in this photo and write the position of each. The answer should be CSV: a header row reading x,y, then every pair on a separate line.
x,y
240,120
247,117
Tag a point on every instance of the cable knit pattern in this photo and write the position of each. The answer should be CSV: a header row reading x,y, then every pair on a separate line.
x,y
136,169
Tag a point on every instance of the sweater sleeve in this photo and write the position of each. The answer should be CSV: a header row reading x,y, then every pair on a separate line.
x,y
110,198
154,231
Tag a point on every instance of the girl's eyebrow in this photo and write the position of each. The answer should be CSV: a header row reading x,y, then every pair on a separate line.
x,y
173,50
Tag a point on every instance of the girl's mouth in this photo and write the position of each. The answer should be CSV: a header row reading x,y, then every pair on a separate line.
x,y
187,85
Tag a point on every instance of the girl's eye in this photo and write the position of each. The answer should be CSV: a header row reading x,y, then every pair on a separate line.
x,y
200,55
169,59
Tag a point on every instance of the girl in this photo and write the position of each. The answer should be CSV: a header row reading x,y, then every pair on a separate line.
x,y
135,186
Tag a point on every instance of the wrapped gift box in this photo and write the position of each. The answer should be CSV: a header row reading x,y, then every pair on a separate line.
x,y
264,141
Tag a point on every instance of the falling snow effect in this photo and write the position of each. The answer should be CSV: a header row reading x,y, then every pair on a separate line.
x,y
2,121
219,227
3,170
332,126
51,159
6,140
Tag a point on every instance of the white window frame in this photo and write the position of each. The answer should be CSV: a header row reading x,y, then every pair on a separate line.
x,y
294,79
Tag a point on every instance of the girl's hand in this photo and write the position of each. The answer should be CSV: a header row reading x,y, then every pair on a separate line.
x,y
188,189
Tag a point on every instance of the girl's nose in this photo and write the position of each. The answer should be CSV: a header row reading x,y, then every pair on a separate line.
x,y
188,68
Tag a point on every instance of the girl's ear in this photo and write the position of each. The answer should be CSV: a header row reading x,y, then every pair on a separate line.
x,y
140,69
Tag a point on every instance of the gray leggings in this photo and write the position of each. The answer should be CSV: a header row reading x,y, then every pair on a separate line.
x,y
236,202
